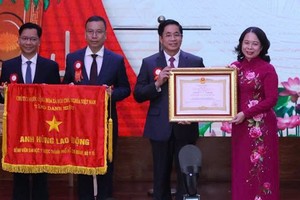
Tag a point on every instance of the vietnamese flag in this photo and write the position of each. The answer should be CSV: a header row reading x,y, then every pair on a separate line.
x,y
55,129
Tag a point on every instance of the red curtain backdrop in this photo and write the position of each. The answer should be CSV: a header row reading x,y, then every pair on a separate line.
x,y
70,15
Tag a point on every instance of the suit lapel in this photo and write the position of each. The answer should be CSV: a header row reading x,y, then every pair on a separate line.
x,y
161,60
19,69
105,66
79,57
182,60
84,72
38,70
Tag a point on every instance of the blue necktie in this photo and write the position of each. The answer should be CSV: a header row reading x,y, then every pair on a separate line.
x,y
28,78
93,72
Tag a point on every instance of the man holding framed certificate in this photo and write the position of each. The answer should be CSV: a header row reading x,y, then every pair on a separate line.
x,y
166,137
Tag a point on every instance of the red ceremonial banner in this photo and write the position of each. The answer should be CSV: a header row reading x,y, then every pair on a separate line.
x,y
55,129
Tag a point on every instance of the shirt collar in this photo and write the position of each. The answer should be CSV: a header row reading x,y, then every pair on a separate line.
x,y
100,53
33,59
176,56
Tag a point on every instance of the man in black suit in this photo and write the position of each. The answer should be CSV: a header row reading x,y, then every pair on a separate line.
x,y
152,85
39,70
110,72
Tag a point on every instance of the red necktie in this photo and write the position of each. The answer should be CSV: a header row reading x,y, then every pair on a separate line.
x,y
172,59
93,72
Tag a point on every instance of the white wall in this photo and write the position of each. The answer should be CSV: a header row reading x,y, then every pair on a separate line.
x,y
280,19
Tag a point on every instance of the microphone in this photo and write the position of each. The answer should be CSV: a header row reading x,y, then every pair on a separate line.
x,y
190,164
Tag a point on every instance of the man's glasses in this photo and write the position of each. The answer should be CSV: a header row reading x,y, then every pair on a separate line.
x,y
31,39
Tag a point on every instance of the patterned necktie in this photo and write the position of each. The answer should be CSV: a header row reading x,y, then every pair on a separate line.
x,y
93,72
28,78
172,59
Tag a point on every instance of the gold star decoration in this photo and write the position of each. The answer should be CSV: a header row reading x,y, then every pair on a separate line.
x,y
54,124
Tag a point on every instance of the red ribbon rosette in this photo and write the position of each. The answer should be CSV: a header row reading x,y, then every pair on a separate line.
x,y
156,72
78,71
13,78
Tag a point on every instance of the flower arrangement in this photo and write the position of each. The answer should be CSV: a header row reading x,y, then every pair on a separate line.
x,y
287,111
288,108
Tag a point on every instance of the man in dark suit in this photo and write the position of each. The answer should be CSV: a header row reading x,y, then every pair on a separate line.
x,y
38,70
152,85
110,72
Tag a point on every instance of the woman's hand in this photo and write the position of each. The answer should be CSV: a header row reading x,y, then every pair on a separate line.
x,y
239,118
231,66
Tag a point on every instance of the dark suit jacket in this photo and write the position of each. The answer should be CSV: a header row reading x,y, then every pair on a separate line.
x,y
112,72
47,71
157,125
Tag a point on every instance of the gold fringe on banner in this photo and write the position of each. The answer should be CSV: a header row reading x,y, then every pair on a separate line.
x,y
110,140
110,133
54,169
4,125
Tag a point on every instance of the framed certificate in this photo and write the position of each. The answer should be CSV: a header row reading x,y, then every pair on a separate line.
x,y
202,94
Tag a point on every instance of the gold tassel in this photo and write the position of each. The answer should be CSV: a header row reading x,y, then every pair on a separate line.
x,y
110,140
4,124
110,132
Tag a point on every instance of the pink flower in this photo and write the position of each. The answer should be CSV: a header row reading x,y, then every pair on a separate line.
x,y
294,121
250,76
267,188
292,88
255,157
252,103
288,122
226,127
267,185
258,117
283,123
255,132
257,197
261,149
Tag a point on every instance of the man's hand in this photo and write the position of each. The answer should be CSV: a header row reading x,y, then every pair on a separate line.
x,y
163,76
109,89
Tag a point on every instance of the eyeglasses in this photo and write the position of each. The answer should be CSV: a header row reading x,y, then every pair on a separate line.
x,y
175,35
31,39
96,32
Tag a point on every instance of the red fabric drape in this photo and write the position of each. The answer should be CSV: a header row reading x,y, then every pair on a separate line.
x,y
70,15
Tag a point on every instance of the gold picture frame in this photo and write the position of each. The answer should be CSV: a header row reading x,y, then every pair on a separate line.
x,y
202,94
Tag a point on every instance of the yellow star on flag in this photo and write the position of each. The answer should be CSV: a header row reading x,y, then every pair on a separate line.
x,y
54,124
